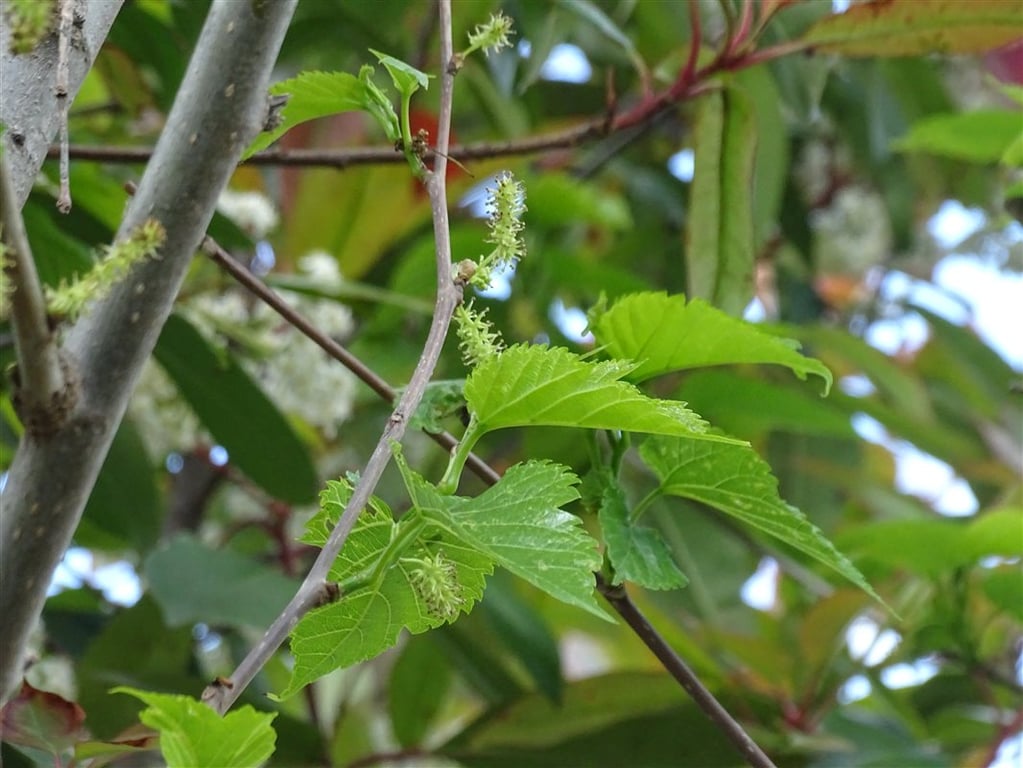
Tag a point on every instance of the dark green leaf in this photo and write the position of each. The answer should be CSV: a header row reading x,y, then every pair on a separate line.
x,y
193,583
258,438
420,679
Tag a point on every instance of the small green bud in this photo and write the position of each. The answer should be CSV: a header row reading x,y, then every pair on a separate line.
x,y
490,37
478,341
435,580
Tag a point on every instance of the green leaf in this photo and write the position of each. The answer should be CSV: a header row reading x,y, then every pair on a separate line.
x,y
719,225
372,611
980,137
124,506
536,385
590,12
934,546
193,583
258,438
319,94
621,719
524,634
557,198
735,480
518,524
420,679
917,27
192,734
637,552
407,79
664,333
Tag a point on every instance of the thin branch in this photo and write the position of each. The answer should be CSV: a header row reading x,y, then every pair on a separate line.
x,y
67,15
42,395
337,351
671,661
221,696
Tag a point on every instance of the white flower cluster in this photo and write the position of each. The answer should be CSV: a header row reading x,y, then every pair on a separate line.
x,y
253,212
853,234
164,420
293,371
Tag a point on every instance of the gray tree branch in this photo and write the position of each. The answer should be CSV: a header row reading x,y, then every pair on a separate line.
x,y
219,109
29,107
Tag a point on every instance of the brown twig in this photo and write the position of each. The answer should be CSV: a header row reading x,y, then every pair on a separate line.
x,y
673,663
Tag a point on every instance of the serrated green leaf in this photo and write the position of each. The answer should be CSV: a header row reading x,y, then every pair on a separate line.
x,y
735,480
368,619
917,27
519,524
664,333
319,94
549,386
406,78
983,136
257,436
192,734
719,225
637,552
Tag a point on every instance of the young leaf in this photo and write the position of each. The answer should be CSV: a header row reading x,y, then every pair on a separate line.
x,y
319,94
42,720
192,734
918,27
519,525
735,480
368,619
664,334
719,230
979,137
637,552
407,79
537,385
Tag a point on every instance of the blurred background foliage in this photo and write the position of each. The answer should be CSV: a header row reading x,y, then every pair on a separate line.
x,y
912,465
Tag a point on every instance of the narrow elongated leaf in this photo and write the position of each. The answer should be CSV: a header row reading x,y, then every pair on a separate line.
x,y
735,480
917,27
234,409
192,734
537,385
981,137
194,583
368,620
637,552
663,333
518,524
416,691
719,227
319,94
